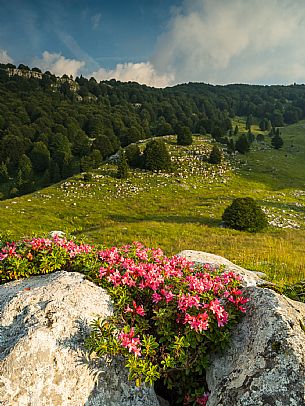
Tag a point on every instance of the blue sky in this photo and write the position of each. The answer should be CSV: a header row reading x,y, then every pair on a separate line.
x,y
103,32
158,42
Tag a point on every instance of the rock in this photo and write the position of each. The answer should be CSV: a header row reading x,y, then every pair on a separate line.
x,y
250,278
265,362
43,323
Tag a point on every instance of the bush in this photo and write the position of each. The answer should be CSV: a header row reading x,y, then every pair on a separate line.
x,y
244,214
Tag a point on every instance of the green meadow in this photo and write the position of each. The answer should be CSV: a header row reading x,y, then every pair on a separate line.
x,y
183,209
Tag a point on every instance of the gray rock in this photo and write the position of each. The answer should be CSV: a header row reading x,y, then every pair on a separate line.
x,y
43,323
265,362
250,278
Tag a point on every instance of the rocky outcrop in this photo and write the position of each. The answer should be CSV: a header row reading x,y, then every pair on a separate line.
x,y
265,361
43,323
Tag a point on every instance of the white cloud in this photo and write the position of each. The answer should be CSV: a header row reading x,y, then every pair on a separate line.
x,y
4,57
58,64
228,41
95,20
143,72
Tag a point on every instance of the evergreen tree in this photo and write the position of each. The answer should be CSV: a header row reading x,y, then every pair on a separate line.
x,y
40,156
122,170
260,138
215,156
250,137
245,214
4,177
54,172
231,146
249,122
184,136
217,133
242,145
156,156
277,141
236,130
133,156
25,166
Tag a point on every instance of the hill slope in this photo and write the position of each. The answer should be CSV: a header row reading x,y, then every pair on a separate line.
x,y
183,210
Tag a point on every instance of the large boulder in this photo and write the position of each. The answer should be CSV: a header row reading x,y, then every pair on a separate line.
x,y
265,361
43,323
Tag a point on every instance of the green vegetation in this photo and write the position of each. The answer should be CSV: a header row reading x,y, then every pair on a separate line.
x,y
215,156
59,127
244,214
122,170
56,127
156,156
183,209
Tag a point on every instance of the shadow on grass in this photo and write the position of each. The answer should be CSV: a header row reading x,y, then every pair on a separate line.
x,y
165,219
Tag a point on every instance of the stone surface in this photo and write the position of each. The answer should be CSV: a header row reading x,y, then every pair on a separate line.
x,y
265,362
250,278
43,323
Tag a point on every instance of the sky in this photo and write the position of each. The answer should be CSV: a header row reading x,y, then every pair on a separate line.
x,y
158,42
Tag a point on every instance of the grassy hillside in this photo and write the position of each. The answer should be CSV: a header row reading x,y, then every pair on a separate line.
x,y
183,210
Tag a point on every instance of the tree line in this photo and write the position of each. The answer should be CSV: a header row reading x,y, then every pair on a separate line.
x,y
51,128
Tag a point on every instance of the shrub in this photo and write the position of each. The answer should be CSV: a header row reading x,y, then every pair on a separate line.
x,y
244,214
168,317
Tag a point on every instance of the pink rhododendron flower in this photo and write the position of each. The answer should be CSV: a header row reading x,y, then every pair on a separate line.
x,y
202,400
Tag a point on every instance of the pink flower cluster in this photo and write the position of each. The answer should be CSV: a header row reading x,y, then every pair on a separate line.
x,y
166,280
128,340
9,251
69,246
39,244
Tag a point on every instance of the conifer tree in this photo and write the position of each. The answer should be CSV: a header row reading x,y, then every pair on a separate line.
x,y
156,156
242,145
277,141
184,136
215,156
4,177
122,169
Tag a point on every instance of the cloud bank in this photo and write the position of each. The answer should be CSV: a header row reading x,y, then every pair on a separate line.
x,y
4,57
143,72
213,41
225,41
58,64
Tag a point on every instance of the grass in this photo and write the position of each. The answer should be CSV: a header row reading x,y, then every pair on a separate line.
x,y
183,210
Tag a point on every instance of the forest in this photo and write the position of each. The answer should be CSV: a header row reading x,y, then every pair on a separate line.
x,y
53,127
